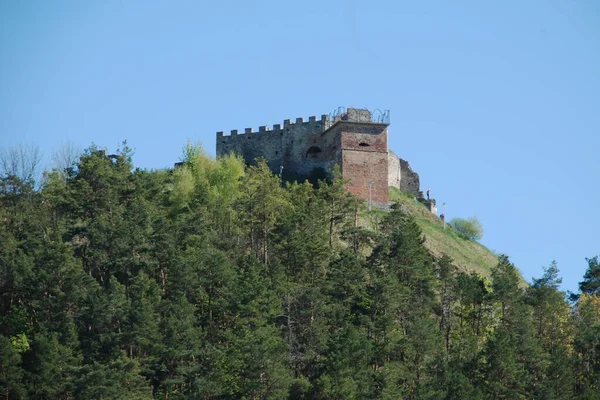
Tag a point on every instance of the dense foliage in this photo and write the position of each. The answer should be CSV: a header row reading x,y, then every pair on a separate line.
x,y
212,281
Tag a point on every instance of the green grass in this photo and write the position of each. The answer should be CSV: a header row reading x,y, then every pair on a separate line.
x,y
468,255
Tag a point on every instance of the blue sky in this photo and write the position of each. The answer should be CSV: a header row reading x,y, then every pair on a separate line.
x,y
495,104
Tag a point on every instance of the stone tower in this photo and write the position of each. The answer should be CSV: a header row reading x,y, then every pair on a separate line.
x,y
350,138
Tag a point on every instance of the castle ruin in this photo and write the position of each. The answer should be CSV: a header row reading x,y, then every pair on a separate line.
x,y
354,139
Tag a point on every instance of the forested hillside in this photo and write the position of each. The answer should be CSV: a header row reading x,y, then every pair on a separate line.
x,y
211,281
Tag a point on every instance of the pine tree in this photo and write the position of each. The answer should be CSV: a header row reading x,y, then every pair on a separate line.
x,y
11,373
118,379
260,203
403,286
587,346
338,204
512,354
591,279
553,329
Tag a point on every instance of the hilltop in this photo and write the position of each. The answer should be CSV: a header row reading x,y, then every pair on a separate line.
x,y
354,140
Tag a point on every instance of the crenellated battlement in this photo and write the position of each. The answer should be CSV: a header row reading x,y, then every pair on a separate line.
x,y
361,115
312,122
354,139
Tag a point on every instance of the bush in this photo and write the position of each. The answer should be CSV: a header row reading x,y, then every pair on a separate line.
x,y
470,228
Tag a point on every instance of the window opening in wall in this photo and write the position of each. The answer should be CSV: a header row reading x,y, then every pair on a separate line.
x,y
363,144
313,152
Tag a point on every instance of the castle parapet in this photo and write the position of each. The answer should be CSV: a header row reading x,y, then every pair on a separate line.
x,y
325,122
313,124
317,125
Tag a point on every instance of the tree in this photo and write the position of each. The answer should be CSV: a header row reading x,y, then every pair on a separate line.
x,y
118,379
255,350
262,201
211,281
512,354
446,273
591,279
11,374
586,318
302,234
402,288
102,196
63,160
65,156
22,161
587,346
470,228
554,331
51,367
338,203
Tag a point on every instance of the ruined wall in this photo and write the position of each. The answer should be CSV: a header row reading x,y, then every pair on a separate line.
x,y
409,179
401,175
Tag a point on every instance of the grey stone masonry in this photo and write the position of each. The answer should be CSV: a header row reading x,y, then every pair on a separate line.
x,y
401,175
349,139
288,145
409,180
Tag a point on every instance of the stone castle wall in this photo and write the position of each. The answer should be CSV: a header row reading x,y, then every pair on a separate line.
x,y
401,175
299,147
351,140
409,179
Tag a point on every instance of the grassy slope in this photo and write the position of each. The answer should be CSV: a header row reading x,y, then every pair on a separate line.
x,y
468,255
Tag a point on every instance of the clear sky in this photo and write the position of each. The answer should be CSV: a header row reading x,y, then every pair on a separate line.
x,y
496,104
